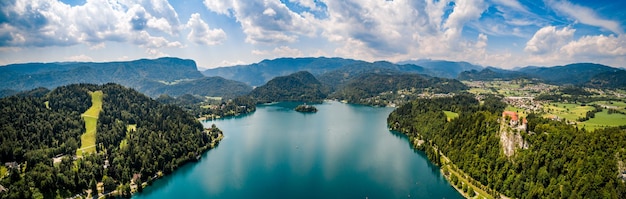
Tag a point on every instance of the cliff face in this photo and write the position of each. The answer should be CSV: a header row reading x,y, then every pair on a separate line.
x,y
511,136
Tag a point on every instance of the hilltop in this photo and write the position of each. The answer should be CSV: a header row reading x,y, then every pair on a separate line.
x,y
151,76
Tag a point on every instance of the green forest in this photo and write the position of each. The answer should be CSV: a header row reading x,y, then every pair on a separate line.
x,y
560,162
138,139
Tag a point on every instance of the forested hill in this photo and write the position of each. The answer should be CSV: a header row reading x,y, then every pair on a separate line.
x,y
153,77
588,74
561,161
442,68
135,136
609,80
344,74
360,89
299,86
260,73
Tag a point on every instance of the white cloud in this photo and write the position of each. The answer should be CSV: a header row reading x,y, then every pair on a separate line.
x,y
281,51
201,33
79,58
596,46
548,39
43,23
584,15
464,11
511,4
266,22
552,46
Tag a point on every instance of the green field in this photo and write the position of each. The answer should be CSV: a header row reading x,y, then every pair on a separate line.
x,y
572,112
88,139
604,119
451,115
568,111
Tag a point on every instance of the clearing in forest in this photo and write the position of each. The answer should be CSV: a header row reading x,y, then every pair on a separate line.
x,y
129,129
88,139
451,115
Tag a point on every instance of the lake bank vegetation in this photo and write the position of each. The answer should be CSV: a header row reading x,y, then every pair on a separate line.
x,y
560,160
39,142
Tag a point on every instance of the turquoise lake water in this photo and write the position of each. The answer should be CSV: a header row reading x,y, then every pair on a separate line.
x,y
342,151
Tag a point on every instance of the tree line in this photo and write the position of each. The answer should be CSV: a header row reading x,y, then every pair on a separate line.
x,y
32,133
562,161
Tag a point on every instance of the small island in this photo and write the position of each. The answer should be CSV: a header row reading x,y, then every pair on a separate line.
x,y
306,108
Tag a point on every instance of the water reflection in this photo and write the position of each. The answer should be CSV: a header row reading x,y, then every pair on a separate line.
x,y
342,151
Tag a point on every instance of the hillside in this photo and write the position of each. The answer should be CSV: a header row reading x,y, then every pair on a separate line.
x,y
206,86
442,68
260,73
148,76
135,135
489,74
363,88
613,80
299,86
561,160
342,75
576,74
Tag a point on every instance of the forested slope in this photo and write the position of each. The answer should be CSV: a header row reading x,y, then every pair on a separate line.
x,y
135,136
561,161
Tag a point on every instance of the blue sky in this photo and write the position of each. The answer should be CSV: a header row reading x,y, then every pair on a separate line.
x,y
501,33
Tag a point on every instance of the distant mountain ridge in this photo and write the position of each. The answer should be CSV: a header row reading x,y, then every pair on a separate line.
x,y
259,73
574,74
442,68
151,76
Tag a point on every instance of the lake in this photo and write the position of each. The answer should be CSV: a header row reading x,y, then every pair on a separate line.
x,y
342,151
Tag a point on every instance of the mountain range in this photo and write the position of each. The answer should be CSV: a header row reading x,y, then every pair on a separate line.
x,y
167,75
176,77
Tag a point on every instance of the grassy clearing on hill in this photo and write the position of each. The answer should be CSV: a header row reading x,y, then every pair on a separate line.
x,y
451,115
88,139
129,128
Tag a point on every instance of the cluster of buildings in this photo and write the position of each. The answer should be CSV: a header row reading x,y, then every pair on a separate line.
x,y
526,103
514,120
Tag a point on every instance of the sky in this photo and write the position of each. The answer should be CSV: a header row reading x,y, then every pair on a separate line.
x,y
214,33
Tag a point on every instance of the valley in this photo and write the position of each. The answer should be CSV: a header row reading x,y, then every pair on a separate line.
x,y
107,138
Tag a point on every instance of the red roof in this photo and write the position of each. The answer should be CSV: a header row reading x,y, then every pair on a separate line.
x,y
511,114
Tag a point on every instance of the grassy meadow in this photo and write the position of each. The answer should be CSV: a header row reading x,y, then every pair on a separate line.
x,y
88,139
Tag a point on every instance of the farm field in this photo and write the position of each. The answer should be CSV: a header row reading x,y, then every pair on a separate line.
x,y
88,139
604,119
568,111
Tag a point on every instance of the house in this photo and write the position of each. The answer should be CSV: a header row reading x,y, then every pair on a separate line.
x,y
515,122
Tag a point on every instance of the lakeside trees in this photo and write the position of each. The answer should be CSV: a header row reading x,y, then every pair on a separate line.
x,y
165,137
561,161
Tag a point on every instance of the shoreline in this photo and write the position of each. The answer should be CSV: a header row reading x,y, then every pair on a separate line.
x,y
212,145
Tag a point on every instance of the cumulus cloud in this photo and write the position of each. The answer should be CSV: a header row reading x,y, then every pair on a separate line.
x,y
584,15
42,23
201,33
597,46
550,45
548,39
266,22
